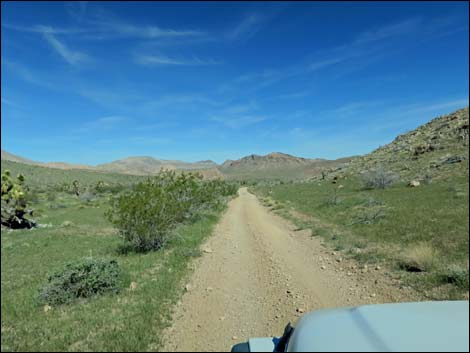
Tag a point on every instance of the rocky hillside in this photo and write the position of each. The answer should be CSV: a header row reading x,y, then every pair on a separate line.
x,y
436,149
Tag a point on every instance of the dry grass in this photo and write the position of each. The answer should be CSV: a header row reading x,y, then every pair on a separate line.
x,y
421,257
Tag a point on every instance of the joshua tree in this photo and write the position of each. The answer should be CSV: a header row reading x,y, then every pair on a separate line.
x,y
14,205
76,187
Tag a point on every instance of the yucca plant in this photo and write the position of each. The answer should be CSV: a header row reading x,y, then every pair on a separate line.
x,y
14,207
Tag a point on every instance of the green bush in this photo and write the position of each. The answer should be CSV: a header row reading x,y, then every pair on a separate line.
x,y
146,215
82,279
456,275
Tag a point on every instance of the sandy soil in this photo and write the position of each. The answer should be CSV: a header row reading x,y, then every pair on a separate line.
x,y
257,274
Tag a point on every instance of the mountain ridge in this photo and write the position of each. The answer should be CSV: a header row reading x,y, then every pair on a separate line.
x,y
436,144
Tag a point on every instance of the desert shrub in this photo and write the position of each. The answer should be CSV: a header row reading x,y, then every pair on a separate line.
x,y
368,212
333,198
113,188
51,196
146,215
456,275
32,196
87,196
66,224
99,186
82,279
379,178
419,258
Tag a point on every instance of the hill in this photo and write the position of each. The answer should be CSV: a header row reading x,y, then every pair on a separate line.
x,y
7,156
419,233
148,165
278,165
131,165
436,149
42,176
272,160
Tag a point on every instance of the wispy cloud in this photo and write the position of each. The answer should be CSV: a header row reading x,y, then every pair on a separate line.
x,y
104,123
352,108
238,115
158,60
50,33
41,29
239,121
157,126
390,30
453,103
104,25
107,25
145,140
365,49
178,100
70,56
149,32
247,27
240,108
294,95
8,102
76,9
27,75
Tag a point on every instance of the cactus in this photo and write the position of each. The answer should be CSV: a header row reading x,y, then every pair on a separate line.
x,y
14,205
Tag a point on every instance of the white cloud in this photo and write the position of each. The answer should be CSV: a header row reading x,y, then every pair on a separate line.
x,y
40,29
247,27
27,75
363,50
390,30
104,25
157,60
107,26
70,56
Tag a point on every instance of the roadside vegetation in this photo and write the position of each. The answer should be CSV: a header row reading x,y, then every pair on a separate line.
x,y
419,233
67,284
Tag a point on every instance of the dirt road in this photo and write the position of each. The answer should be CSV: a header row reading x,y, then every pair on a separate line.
x,y
257,274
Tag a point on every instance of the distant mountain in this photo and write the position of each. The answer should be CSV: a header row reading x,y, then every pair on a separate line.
x,y
14,158
272,160
148,165
130,165
277,165
57,165
435,149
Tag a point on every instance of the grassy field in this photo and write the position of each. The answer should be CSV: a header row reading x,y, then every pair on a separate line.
x,y
38,176
72,229
422,233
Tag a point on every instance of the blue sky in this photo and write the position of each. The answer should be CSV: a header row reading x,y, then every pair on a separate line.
x,y
90,82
